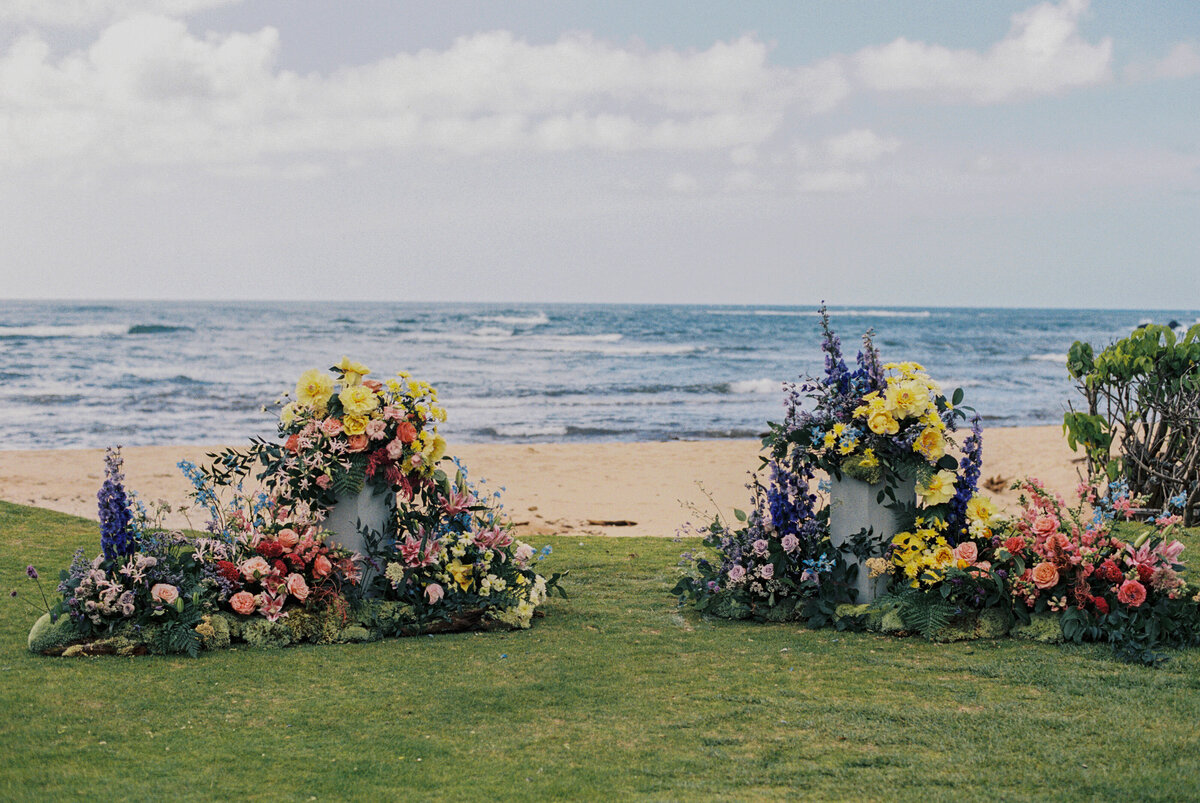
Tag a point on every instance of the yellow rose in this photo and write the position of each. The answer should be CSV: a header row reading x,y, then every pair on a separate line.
x,y
352,372
980,509
354,424
461,572
938,489
931,444
314,389
907,399
944,556
881,423
358,400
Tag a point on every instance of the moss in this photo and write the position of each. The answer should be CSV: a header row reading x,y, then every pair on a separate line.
x,y
355,633
782,611
892,622
50,638
993,623
386,618
266,635
214,632
1043,627
232,624
302,625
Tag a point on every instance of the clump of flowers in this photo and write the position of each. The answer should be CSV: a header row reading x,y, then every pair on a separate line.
x,y
344,431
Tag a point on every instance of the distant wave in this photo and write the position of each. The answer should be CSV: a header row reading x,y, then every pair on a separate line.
x,y
846,313
537,319
609,344
492,331
525,430
88,330
77,330
748,386
1058,358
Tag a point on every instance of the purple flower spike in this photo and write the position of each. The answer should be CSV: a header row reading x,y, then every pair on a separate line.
x,y
32,572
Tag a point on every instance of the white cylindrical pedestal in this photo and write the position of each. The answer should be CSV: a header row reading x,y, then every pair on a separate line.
x,y
852,508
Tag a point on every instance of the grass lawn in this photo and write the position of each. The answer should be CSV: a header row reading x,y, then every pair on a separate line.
x,y
615,694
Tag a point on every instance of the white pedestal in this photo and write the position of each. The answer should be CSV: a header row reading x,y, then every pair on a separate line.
x,y
367,508
852,508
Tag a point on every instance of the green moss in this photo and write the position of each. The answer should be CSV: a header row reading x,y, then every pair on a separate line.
x,y
992,623
892,622
726,606
355,633
1045,628
266,635
302,625
385,618
50,638
214,631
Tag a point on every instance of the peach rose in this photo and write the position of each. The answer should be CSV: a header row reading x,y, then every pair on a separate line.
x,y
287,538
1045,575
255,568
968,551
297,587
164,593
356,443
243,602
1044,525
321,566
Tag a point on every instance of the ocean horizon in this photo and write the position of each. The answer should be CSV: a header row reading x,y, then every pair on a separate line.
x,y
87,374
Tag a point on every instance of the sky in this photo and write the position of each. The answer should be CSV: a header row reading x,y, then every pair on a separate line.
x,y
908,153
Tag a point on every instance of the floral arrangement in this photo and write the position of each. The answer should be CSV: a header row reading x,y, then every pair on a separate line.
x,y
881,423
268,573
344,431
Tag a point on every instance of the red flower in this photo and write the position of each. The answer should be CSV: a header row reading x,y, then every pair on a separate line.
x,y
269,548
229,571
1014,545
279,567
293,444
1144,572
1110,571
1101,605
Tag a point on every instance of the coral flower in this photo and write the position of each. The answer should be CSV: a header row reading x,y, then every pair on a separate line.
x,y
968,551
356,443
1045,575
243,602
321,566
1132,593
1014,545
406,432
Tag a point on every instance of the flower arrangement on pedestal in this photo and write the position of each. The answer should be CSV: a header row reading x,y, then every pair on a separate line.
x,y
887,425
269,573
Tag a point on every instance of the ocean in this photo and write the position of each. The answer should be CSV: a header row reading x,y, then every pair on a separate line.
x,y
76,374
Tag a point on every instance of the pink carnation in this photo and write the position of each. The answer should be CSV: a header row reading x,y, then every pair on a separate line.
x,y
376,429
331,426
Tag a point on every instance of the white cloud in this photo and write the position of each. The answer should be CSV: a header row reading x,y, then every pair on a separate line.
x,y
831,181
82,13
148,91
683,182
740,181
1043,53
860,145
1182,61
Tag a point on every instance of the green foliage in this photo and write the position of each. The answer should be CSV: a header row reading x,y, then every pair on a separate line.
x,y
1045,628
52,636
922,612
1142,396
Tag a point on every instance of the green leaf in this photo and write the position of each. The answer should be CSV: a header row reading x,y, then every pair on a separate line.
x,y
740,515
958,397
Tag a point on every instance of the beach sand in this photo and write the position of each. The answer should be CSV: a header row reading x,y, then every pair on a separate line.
x,y
556,488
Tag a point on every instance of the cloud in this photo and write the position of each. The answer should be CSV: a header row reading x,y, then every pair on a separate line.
x,y
148,91
683,182
860,145
1043,53
1181,61
831,181
83,13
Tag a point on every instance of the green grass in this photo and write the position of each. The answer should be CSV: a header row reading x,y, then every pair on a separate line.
x,y
615,694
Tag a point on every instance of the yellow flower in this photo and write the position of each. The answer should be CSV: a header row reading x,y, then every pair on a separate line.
x,y
830,440
354,424
847,445
352,372
288,414
869,460
358,400
881,423
314,389
938,489
931,444
838,429
438,451
461,573
980,509
943,556
907,399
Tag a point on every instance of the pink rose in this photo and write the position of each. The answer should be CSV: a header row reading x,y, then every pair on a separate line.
x,y
243,602
1044,525
434,592
331,426
321,566
376,429
1045,575
356,443
255,568
297,587
737,573
968,551
395,449
287,538
164,593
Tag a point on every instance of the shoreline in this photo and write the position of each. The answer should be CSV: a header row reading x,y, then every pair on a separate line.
x,y
549,488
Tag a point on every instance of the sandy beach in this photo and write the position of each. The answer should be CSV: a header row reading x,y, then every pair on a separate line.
x,y
590,489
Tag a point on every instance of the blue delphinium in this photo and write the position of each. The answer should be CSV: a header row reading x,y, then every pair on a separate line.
x,y
968,482
116,530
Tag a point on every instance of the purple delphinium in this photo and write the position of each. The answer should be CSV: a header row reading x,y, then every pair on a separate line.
x,y
968,481
116,532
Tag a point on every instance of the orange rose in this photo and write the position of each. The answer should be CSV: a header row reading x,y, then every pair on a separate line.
x,y
406,432
1045,575
243,602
